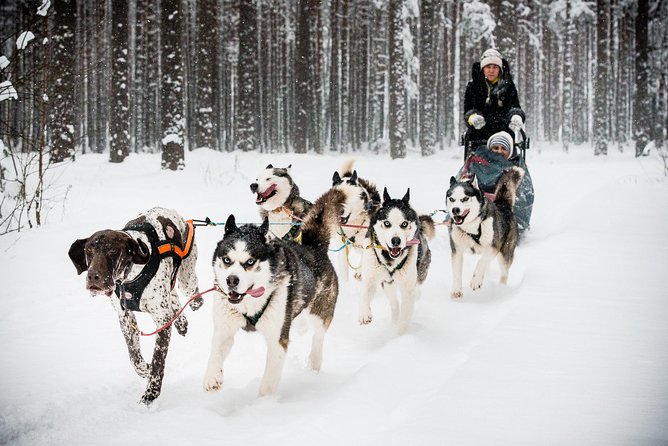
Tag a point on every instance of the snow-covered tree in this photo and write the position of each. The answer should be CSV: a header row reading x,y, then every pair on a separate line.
x,y
172,86
119,125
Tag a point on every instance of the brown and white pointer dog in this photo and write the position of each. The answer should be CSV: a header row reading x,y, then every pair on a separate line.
x,y
137,268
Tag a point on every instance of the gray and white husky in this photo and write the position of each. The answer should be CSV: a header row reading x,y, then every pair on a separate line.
x,y
265,283
365,200
482,226
398,259
278,197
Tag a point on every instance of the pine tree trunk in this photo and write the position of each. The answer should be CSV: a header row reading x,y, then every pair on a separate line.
x,y
206,49
427,79
642,112
172,64
397,82
567,118
601,89
247,74
119,125
62,118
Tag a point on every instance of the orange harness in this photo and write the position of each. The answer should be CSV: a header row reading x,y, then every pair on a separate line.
x,y
168,247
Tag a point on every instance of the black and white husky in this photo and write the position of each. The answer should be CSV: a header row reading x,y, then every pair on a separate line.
x,y
365,200
398,259
265,283
482,226
278,197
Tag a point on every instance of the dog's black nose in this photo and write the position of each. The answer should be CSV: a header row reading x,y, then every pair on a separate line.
x,y
455,211
232,282
254,187
396,241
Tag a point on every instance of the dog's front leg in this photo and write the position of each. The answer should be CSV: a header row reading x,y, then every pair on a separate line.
x,y
369,289
390,291
457,266
131,334
221,344
154,384
276,350
409,294
479,272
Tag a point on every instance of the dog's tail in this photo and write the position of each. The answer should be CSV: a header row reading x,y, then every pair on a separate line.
x,y
427,226
506,186
322,220
347,167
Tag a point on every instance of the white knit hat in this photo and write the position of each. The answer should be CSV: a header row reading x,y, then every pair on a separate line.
x,y
489,57
501,139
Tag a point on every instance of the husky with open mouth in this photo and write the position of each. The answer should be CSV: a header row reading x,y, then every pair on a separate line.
x,y
355,218
265,283
482,226
278,197
398,259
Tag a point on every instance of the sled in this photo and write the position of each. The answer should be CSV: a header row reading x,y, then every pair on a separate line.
x,y
488,166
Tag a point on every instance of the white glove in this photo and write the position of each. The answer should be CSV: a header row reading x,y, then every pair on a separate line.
x,y
477,121
516,123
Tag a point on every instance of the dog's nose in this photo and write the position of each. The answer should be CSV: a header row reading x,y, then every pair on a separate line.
x,y
93,278
455,211
396,241
254,187
232,282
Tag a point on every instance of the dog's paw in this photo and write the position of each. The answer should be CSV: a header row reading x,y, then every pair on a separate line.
x,y
181,325
457,294
476,282
196,304
266,390
315,362
365,319
149,397
213,381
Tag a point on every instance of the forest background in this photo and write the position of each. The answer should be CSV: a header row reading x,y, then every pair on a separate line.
x,y
311,76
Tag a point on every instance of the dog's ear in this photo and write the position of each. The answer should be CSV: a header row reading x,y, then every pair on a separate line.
x,y
453,181
269,166
386,196
336,179
77,255
353,178
407,197
474,182
264,227
139,251
230,225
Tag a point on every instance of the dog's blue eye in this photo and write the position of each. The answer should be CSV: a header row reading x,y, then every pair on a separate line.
x,y
465,199
227,261
404,225
387,224
250,262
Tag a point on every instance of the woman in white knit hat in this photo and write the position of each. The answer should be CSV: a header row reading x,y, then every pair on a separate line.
x,y
491,103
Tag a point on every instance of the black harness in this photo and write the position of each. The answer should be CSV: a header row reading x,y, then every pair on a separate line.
x,y
130,292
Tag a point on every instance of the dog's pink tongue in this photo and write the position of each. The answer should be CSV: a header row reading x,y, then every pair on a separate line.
x,y
269,190
257,292
412,242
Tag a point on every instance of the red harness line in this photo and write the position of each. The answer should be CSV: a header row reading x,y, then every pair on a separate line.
x,y
178,313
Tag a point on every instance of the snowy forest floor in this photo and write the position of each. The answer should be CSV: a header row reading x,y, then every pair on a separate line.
x,y
574,350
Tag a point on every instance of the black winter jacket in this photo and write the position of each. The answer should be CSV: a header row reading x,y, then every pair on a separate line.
x,y
497,103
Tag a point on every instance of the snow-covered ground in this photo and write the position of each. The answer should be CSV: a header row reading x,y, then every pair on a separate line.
x,y
574,351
